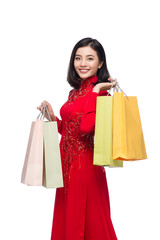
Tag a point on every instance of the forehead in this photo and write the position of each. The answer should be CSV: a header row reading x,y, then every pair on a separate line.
x,y
84,51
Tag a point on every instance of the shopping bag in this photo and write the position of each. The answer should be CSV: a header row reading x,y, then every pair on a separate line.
x,y
52,171
42,165
32,172
128,140
103,133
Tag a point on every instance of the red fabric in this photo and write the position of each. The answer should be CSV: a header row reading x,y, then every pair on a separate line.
x,y
82,207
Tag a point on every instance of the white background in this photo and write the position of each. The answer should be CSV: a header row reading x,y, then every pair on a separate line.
x,y
36,40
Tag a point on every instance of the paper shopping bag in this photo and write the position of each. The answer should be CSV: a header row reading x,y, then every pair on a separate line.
x,y
42,165
33,165
128,140
103,133
52,172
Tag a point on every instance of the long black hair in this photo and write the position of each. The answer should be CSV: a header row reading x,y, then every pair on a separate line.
x,y
102,73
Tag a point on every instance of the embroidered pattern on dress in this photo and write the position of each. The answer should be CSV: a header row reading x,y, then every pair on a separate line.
x,y
75,143
82,91
74,146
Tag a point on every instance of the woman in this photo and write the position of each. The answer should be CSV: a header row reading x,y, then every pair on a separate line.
x,y
82,208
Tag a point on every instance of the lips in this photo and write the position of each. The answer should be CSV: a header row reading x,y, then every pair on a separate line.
x,y
83,70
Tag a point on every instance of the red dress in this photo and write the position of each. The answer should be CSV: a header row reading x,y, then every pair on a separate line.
x,y
82,208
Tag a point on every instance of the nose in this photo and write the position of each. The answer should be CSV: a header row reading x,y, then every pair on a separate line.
x,y
83,63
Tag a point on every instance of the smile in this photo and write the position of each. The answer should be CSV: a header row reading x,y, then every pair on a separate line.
x,y
83,70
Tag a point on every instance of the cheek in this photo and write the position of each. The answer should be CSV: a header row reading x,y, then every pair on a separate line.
x,y
76,64
94,66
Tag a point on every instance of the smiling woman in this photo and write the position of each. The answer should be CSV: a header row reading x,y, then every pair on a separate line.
x,y
86,62
82,207
87,59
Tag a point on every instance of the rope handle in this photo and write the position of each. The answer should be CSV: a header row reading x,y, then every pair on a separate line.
x,y
116,89
43,112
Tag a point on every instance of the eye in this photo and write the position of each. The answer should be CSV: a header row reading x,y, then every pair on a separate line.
x,y
77,58
90,59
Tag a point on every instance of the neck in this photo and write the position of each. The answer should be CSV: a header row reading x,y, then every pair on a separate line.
x,y
94,78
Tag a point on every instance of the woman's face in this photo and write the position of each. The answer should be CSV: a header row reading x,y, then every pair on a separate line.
x,y
86,62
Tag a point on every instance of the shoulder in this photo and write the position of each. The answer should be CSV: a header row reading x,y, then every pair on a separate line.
x,y
71,92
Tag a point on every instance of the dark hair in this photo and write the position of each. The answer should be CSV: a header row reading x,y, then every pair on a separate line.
x,y
102,73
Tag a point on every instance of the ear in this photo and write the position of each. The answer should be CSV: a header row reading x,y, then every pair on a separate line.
x,y
100,65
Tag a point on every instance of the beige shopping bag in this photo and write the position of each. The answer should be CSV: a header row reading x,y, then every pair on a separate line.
x,y
42,165
52,172
33,165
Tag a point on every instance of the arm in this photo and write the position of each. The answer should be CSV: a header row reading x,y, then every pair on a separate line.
x,y
55,118
59,125
89,114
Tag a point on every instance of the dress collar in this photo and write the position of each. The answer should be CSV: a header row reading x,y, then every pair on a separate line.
x,y
93,79
88,81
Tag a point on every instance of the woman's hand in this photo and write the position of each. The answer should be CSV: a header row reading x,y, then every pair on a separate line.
x,y
50,110
105,85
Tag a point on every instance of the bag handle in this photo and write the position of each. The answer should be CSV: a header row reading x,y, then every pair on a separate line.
x,y
116,89
43,112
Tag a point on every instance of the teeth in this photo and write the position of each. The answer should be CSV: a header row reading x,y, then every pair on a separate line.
x,y
83,70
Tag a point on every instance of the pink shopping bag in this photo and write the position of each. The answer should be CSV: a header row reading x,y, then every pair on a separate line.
x,y
32,172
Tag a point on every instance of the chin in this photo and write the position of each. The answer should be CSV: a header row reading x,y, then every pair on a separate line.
x,y
84,77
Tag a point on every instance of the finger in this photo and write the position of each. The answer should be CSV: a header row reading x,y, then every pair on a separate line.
x,y
115,83
39,108
43,103
47,104
109,79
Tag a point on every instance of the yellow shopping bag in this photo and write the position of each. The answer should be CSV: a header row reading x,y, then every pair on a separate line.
x,y
103,133
128,140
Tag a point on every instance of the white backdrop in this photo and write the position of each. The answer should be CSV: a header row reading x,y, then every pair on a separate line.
x,y
36,40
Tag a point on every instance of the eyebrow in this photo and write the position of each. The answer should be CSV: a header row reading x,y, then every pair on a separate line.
x,y
90,55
